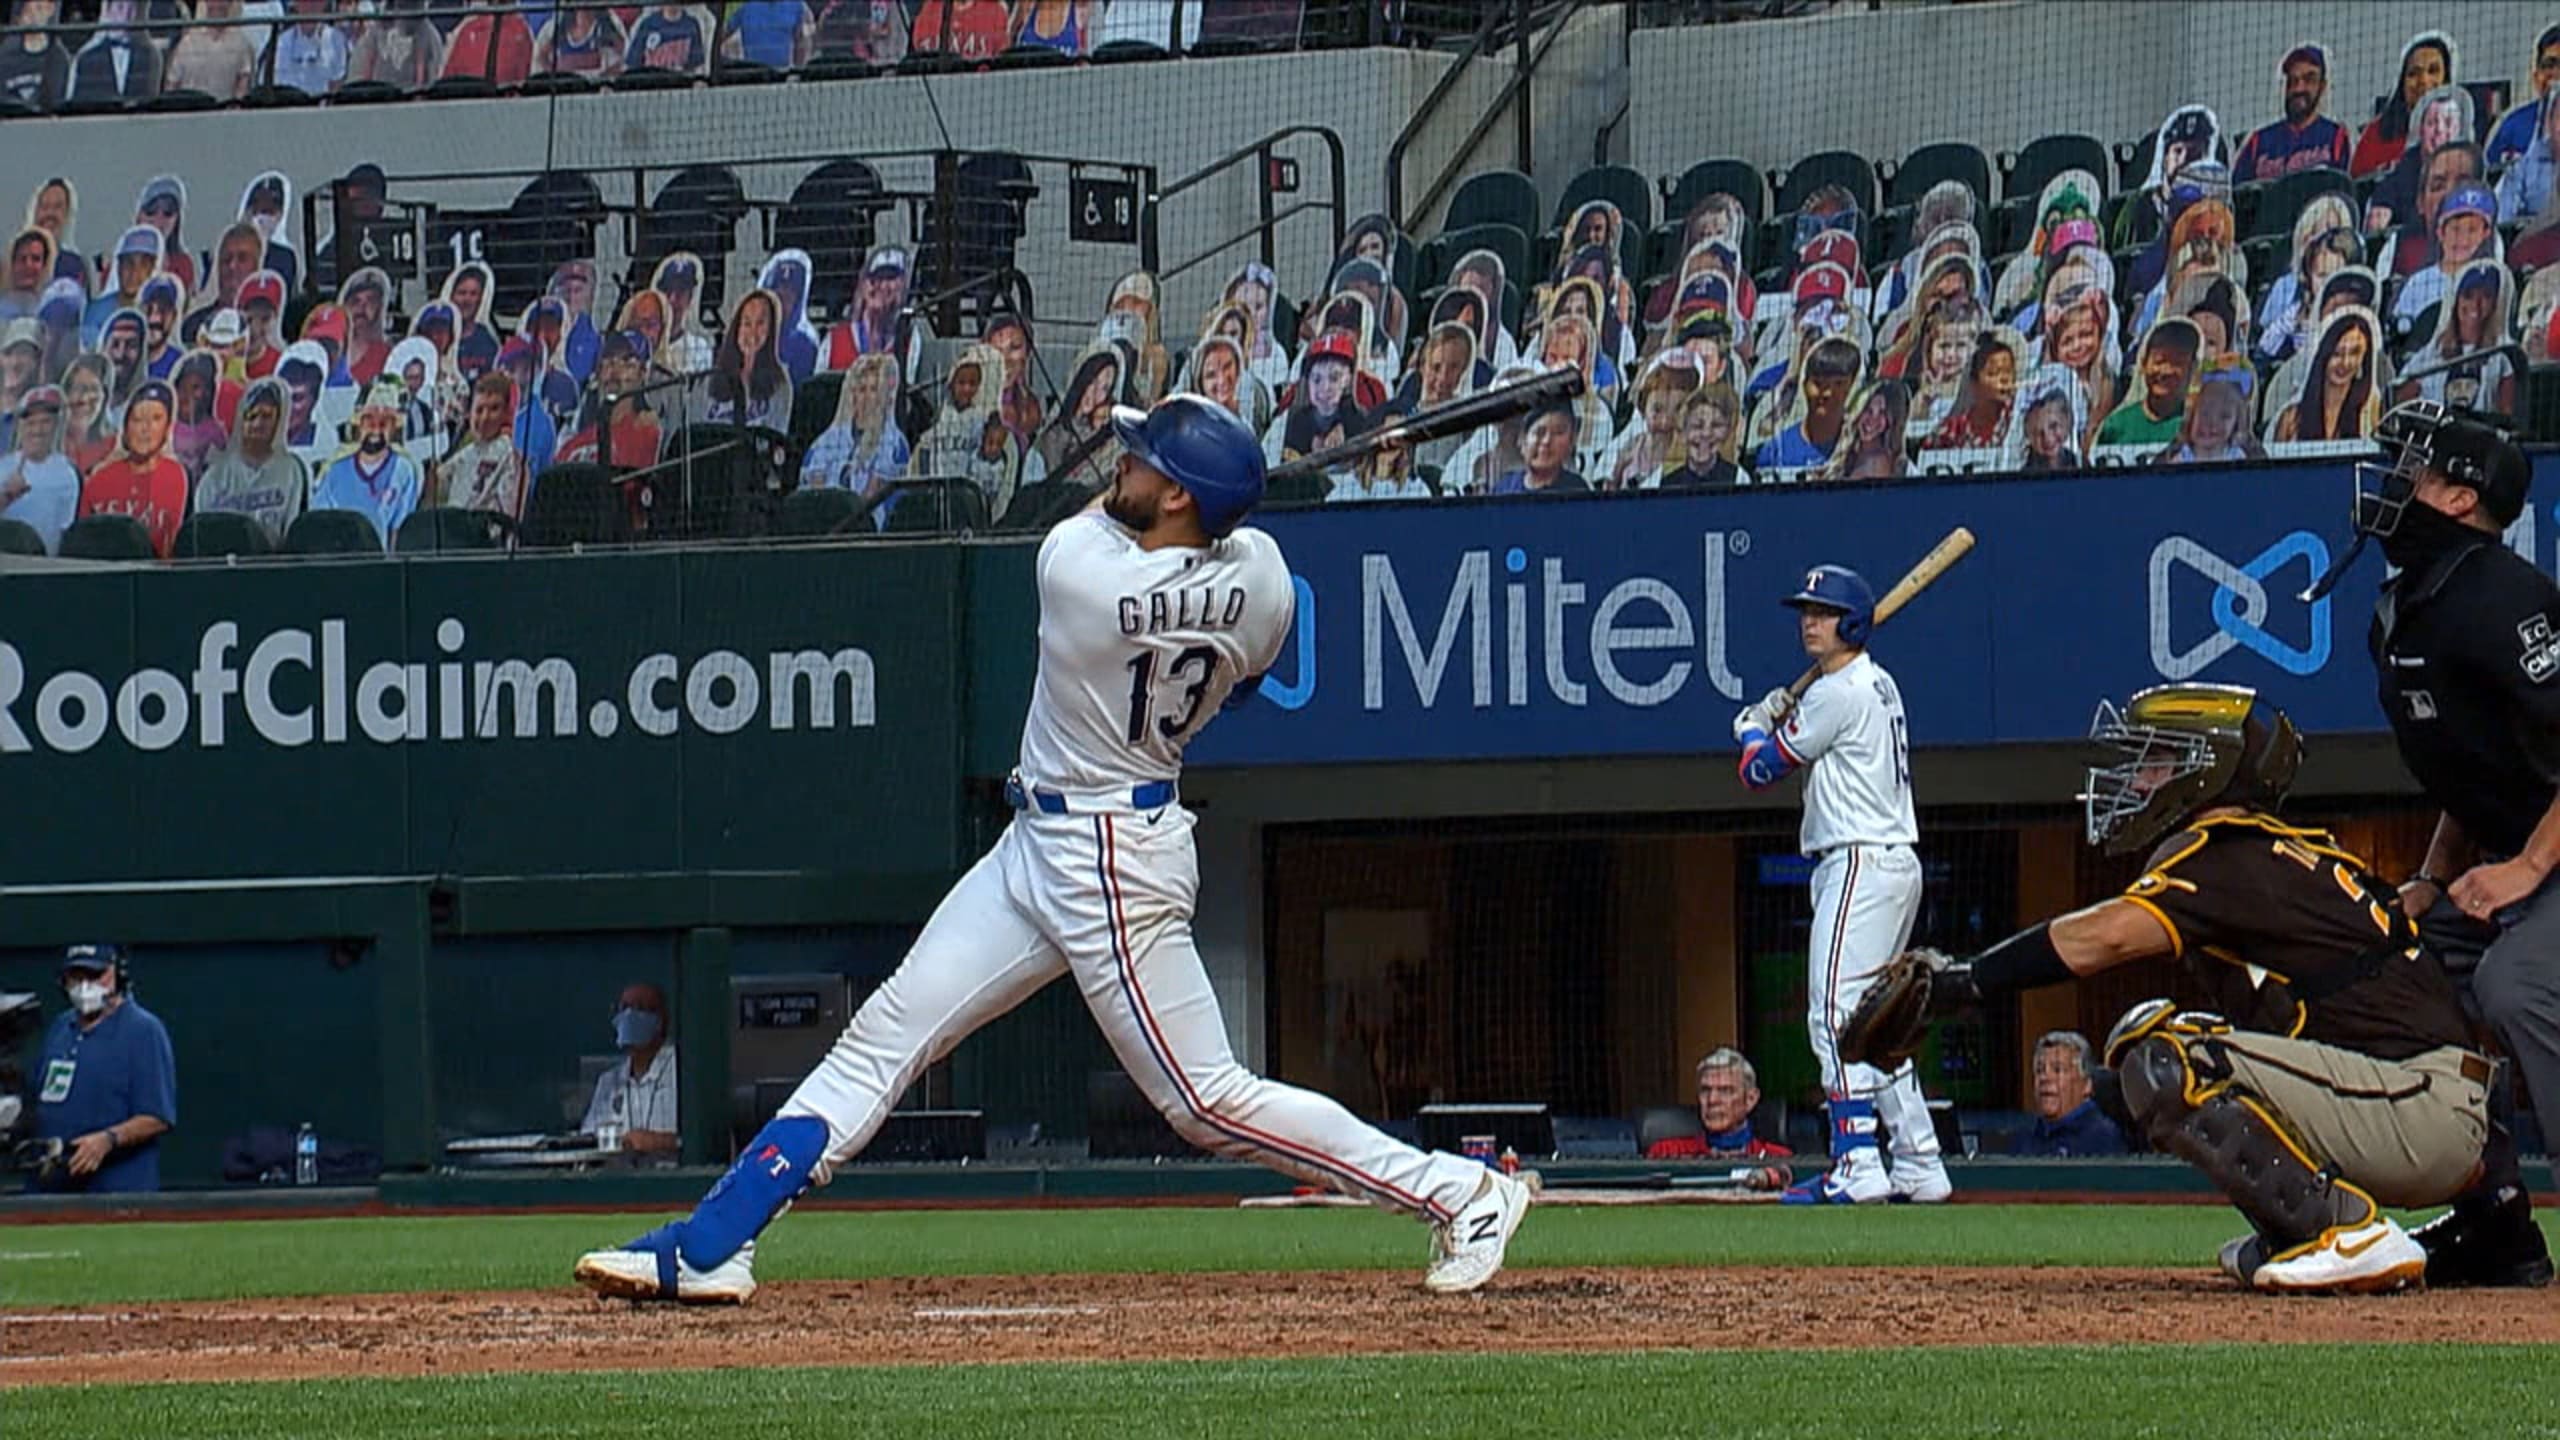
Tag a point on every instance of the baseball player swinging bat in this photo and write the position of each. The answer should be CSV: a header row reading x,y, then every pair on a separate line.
x,y
1940,559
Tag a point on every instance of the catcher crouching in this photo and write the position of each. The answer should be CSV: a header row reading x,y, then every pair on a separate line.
x,y
2326,1074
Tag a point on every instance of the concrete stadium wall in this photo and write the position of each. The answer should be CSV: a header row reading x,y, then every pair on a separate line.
x,y
1174,115
2002,74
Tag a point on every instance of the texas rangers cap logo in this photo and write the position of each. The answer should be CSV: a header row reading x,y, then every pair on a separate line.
x,y
1812,579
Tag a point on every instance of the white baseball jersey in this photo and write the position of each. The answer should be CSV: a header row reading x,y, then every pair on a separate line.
x,y
1139,648
1849,733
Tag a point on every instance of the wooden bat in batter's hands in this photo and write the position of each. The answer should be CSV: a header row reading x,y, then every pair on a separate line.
x,y
1932,565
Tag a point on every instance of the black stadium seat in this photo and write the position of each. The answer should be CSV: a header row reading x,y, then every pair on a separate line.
x,y
814,402
1500,197
1916,173
818,511
985,220
1844,168
1620,186
212,533
1737,178
1507,241
107,537
17,537
2280,202
834,215
576,505
938,505
435,529
698,209
333,532
552,221
2023,175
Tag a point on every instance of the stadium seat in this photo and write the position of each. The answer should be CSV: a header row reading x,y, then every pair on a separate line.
x,y
2280,202
726,72
575,505
718,481
212,533
181,102
1123,52
436,529
274,97
838,67
1507,241
820,511
1499,197
332,532
833,215
17,537
1287,491
1620,186
107,537
552,221
1037,507
1737,178
985,221
367,92
650,78
462,87
554,82
1909,179
1844,168
698,209
814,403
938,505
2024,175
1031,57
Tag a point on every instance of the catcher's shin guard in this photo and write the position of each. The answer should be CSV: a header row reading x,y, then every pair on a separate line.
x,y
2237,1142
775,1169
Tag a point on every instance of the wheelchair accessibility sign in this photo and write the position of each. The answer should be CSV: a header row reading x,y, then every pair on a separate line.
x,y
2242,611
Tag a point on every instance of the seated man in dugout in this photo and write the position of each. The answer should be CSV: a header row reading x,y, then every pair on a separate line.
x,y
1728,1091
2328,1073
636,1095
2068,1121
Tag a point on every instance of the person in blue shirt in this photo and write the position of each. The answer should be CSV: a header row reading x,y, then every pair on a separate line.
x,y
774,33
1830,372
2068,1120
2516,129
2304,139
107,1087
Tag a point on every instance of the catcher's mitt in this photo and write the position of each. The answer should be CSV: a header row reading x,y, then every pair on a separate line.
x,y
1892,1017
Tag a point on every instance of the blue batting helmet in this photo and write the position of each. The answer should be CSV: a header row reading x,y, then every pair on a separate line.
x,y
1837,587
1201,446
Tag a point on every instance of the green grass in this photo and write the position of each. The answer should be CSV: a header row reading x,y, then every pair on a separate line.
x,y
2176,1392
135,1261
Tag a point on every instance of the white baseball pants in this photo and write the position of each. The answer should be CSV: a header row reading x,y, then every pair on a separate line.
x,y
1107,897
1865,898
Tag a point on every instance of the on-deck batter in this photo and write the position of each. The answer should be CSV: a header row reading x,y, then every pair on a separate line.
x,y
1155,610
1858,827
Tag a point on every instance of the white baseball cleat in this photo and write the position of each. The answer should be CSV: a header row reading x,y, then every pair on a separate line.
x,y
1921,1181
2373,1257
640,1274
1469,1247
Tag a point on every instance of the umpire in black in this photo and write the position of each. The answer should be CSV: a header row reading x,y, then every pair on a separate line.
x,y
2466,650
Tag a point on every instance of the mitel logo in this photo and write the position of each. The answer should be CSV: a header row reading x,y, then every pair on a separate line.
x,y
2241,607
1485,640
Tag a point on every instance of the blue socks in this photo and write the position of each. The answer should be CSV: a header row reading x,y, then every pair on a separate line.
x,y
774,1170
1853,1125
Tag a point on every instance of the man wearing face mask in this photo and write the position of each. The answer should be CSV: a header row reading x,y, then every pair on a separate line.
x,y
639,1095
107,1087
2466,646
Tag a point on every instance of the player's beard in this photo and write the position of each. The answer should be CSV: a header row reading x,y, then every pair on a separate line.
x,y
1120,505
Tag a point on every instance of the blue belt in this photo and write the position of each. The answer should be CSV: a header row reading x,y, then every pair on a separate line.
x,y
1154,795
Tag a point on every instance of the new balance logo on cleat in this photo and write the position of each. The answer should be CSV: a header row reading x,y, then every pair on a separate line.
x,y
1484,1227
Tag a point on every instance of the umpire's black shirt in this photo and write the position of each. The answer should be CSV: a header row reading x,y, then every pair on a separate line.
x,y
2466,649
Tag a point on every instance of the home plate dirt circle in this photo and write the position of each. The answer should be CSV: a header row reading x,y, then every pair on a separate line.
x,y
1211,1317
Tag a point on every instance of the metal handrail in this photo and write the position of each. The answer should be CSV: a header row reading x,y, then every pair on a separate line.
x,y
1265,150
1511,90
1422,113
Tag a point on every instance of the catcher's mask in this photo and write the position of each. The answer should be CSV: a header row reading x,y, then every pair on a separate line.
x,y
2466,447
2184,747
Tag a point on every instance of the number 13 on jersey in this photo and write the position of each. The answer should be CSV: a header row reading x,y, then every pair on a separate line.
x,y
1192,670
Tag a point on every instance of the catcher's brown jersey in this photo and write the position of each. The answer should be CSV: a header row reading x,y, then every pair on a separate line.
x,y
2288,934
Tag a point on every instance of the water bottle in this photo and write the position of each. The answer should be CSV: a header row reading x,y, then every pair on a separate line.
x,y
306,1156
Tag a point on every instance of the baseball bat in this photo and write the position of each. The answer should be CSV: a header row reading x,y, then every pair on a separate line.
x,y
1921,576
1451,417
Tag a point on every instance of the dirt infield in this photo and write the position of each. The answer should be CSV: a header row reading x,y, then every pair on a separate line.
x,y
1202,1317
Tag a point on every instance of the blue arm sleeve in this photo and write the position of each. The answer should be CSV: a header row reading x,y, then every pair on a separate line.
x,y
1765,762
